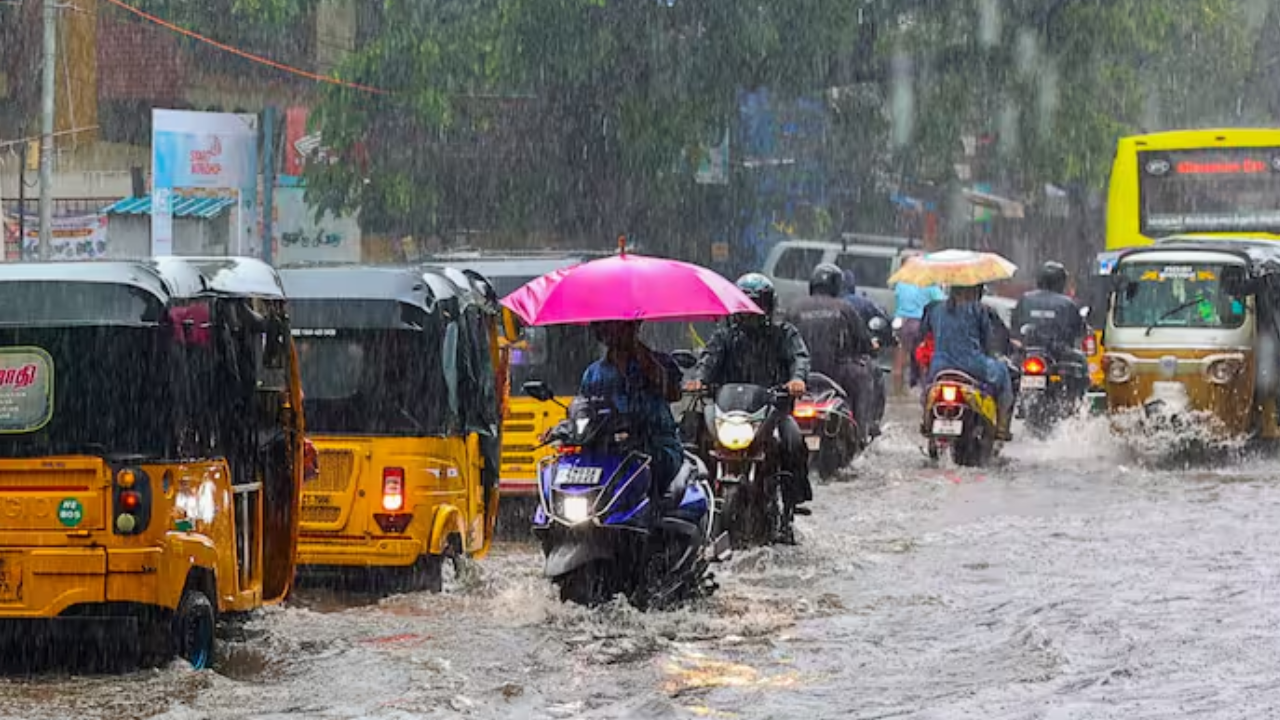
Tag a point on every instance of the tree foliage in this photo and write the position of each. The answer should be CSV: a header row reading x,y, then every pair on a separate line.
x,y
583,117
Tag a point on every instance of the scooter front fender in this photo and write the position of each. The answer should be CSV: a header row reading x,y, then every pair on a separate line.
x,y
570,553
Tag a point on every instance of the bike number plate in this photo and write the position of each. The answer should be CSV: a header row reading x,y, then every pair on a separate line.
x,y
1034,382
579,475
950,428
813,442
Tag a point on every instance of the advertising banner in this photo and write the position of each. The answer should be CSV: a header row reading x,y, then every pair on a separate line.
x,y
204,150
75,237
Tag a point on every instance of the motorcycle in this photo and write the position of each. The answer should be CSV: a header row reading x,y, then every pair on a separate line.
x,y
826,420
960,416
1054,382
826,416
603,528
737,433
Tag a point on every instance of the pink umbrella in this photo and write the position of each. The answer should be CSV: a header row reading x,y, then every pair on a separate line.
x,y
627,287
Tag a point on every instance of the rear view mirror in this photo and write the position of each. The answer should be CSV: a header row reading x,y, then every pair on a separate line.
x,y
538,390
1084,312
1027,329
686,359
876,324
897,323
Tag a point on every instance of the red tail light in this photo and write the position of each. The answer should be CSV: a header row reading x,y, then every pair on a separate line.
x,y
310,460
130,501
950,394
1090,345
1033,366
393,489
806,410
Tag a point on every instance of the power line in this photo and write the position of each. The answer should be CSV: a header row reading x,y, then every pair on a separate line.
x,y
245,54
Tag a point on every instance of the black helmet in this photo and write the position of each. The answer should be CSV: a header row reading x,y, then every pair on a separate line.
x,y
827,279
1052,277
760,289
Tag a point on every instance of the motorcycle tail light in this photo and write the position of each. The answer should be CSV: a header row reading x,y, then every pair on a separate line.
x,y
805,410
950,394
1033,366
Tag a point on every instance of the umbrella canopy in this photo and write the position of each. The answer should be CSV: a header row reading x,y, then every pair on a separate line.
x,y
956,268
628,287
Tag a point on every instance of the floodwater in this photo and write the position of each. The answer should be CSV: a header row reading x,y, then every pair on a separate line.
x,y
1068,582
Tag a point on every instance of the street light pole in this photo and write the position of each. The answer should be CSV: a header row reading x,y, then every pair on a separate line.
x,y
46,139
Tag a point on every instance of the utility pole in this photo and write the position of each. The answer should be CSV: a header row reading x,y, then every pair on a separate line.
x,y
46,140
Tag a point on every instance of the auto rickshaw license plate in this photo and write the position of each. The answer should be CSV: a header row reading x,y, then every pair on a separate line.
x,y
948,427
1034,382
312,500
813,442
10,578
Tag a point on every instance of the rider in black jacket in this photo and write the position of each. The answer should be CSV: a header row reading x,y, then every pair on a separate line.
x,y
759,350
1054,316
839,342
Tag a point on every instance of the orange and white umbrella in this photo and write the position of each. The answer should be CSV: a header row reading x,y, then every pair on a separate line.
x,y
955,268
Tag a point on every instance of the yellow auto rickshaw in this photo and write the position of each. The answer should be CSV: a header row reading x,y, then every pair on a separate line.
x,y
152,442
1188,334
402,397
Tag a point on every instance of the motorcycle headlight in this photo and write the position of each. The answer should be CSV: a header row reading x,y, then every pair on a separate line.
x,y
735,434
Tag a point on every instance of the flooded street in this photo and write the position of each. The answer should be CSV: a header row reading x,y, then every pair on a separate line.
x,y
1066,583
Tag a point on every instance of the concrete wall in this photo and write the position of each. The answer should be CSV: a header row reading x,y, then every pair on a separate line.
x,y
129,236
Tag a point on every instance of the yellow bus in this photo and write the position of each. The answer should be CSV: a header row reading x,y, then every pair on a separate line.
x,y
1213,182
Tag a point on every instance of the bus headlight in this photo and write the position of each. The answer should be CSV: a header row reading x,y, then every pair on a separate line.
x,y
735,434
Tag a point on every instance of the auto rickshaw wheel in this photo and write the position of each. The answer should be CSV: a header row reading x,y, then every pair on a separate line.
x,y
194,626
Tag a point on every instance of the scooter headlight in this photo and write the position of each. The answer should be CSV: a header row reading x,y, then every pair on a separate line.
x,y
576,509
735,434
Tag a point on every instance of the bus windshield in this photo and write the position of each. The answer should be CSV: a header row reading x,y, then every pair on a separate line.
x,y
1217,190
1176,295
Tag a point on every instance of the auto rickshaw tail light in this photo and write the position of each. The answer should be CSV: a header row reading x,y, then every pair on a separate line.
x,y
131,502
393,489
1089,346
310,460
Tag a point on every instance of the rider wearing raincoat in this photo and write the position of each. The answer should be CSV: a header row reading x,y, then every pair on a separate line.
x,y
963,334
640,383
760,350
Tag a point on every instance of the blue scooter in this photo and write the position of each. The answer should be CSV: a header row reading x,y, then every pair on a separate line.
x,y
604,528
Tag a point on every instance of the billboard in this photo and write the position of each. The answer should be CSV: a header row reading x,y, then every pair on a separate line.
x,y
212,151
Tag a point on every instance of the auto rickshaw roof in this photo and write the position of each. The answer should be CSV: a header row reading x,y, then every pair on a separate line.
x,y
367,282
1255,252
138,274
231,276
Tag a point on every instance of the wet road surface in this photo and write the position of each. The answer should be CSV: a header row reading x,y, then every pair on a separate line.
x,y
1066,583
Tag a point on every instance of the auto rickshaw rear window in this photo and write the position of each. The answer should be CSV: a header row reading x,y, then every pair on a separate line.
x,y
26,389
40,303
1176,295
367,381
